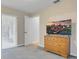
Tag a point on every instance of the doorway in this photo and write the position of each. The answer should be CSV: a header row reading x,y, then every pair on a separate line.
x,y
32,30
9,31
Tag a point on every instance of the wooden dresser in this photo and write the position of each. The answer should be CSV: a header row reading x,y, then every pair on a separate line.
x,y
58,44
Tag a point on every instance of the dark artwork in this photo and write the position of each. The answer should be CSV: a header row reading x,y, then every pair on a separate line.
x,y
60,27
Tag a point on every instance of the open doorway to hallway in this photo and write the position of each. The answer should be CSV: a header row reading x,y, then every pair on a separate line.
x,y
9,31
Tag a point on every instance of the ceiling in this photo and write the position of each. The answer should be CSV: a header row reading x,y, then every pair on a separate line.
x,y
30,6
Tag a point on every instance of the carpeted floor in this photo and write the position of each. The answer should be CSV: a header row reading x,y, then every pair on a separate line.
x,y
30,52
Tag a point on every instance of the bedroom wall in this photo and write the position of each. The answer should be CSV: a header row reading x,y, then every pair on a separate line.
x,y
62,10
20,22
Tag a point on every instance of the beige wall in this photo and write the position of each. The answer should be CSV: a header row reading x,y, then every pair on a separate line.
x,y
62,10
20,22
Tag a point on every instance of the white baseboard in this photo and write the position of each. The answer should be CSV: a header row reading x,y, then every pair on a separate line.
x,y
14,46
73,54
19,45
41,45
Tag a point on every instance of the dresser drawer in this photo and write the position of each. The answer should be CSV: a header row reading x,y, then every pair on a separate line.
x,y
57,44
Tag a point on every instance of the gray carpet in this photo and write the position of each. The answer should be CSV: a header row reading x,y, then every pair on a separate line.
x,y
30,52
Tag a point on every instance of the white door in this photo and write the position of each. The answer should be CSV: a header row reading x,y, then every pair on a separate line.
x,y
31,30
9,31
27,30
35,29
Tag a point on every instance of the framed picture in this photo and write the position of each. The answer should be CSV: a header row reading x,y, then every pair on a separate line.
x,y
59,27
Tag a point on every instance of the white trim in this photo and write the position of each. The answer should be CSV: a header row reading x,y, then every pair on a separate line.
x,y
73,54
19,45
15,46
41,45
